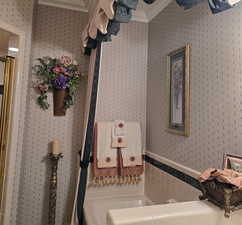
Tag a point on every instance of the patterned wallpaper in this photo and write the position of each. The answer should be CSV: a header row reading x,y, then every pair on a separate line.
x,y
122,89
19,14
56,32
216,84
161,187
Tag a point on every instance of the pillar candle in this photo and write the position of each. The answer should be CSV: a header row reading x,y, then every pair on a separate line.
x,y
55,147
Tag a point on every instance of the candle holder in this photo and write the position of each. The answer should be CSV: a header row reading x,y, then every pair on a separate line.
x,y
53,186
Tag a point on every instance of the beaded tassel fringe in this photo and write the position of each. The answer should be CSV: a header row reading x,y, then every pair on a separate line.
x,y
101,181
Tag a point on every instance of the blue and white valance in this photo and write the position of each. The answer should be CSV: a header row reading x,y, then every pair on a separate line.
x,y
216,6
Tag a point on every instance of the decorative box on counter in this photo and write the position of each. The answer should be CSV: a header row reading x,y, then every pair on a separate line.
x,y
225,196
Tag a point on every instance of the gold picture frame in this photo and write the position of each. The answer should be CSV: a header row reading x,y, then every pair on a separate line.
x,y
178,81
233,162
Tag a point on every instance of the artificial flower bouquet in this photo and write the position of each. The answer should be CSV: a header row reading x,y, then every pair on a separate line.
x,y
59,75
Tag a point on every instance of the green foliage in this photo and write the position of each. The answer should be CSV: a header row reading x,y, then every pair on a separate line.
x,y
53,73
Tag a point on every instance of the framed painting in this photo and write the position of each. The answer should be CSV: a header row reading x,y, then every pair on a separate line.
x,y
178,73
233,162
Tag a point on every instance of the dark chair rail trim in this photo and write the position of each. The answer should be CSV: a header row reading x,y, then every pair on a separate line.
x,y
174,172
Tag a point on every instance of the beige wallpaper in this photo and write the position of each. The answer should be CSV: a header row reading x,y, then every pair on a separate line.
x,y
216,71
56,32
19,14
160,187
2,53
122,89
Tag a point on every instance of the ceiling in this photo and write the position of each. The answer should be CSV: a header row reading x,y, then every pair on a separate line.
x,y
144,12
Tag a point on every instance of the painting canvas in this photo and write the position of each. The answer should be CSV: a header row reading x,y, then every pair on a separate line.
x,y
179,85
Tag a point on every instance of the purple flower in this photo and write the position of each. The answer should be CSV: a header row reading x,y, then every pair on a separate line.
x,y
65,71
60,82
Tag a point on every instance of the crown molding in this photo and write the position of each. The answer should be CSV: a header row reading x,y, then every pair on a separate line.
x,y
64,5
139,15
156,8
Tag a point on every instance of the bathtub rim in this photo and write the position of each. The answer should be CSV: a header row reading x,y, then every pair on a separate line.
x,y
90,219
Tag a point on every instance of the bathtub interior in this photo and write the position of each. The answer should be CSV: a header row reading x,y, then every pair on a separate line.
x,y
96,209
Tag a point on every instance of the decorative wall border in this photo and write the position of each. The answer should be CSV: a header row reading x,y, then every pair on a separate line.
x,y
144,15
64,5
166,166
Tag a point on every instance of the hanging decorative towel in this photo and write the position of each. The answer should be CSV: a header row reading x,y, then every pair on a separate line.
x,y
105,162
130,158
132,154
117,153
126,138
106,156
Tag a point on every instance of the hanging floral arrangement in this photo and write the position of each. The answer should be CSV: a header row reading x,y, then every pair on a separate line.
x,y
60,76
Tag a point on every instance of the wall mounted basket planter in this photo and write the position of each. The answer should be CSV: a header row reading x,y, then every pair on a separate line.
x,y
59,96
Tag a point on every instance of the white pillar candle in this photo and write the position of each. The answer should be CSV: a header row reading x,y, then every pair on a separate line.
x,y
55,147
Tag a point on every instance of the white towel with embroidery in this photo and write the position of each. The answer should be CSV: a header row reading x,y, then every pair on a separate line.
x,y
106,155
132,155
119,139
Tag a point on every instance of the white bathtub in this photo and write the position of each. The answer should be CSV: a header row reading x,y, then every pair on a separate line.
x,y
96,209
186,213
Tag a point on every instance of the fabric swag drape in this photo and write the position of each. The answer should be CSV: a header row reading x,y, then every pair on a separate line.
x,y
216,6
